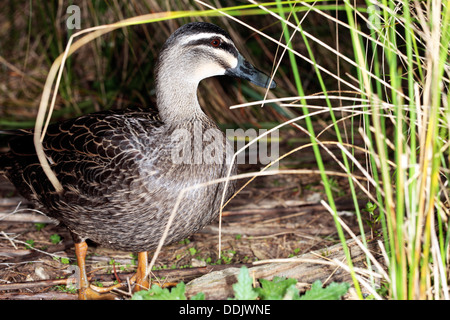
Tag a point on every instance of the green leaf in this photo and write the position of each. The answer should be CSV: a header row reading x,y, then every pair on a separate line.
x,y
370,207
243,289
39,226
157,293
334,291
198,296
275,289
55,238
291,293
29,244
65,260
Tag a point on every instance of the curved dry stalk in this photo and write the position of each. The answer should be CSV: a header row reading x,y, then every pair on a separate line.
x,y
307,146
317,96
95,32
363,282
221,180
331,74
291,121
331,262
360,244
331,49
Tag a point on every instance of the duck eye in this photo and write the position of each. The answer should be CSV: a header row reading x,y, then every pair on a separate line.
x,y
215,42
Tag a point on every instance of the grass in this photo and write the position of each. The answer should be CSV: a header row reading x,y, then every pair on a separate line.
x,y
412,212
376,72
400,61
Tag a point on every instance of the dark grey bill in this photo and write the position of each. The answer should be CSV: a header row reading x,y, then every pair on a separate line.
x,y
245,70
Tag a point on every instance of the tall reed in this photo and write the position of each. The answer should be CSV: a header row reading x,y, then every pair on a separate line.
x,y
400,63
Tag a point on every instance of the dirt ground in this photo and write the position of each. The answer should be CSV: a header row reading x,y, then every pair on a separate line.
x,y
273,217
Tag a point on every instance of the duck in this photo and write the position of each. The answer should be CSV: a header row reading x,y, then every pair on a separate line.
x,y
122,170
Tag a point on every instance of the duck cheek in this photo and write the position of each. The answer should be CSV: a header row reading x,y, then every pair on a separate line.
x,y
209,70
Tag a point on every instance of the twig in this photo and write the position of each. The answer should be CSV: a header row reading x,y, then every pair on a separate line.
x,y
9,239
34,253
32,284
26,217
52,295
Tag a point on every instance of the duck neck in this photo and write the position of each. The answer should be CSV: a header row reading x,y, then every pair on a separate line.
x,y
176,96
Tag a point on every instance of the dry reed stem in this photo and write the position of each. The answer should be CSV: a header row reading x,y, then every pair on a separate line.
x,y
94,32
221,180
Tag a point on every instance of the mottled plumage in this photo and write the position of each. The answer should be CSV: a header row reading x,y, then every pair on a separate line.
x,y
117,168
119,181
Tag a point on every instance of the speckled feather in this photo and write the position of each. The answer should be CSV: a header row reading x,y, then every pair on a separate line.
x,y
119,181
119,175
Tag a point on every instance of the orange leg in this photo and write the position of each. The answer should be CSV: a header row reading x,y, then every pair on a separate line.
x,y
91,292
141,273
84,290
138,279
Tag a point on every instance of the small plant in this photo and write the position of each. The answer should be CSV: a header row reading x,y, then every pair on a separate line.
x,y
282,288
325,252
334,291
39,226
63,288
158,293
296,251
97,284
112,262
277,289
227,256
63,260
226,260
55,238
374,218
185,241
133,259
243,289
29,244
192,251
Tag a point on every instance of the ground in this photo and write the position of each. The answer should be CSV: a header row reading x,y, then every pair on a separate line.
x,y
273,217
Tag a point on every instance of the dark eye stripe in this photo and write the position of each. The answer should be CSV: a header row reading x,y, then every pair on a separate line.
x,y
207,42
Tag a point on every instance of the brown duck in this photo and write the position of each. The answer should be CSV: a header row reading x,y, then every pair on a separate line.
x,y
122,171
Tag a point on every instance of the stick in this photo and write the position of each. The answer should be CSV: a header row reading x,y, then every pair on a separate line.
x,y
26,217
52,295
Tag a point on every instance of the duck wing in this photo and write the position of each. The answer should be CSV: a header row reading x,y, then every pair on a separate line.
x,y
86,153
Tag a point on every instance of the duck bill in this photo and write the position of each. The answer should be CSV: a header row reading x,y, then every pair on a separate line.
x,y
245,70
